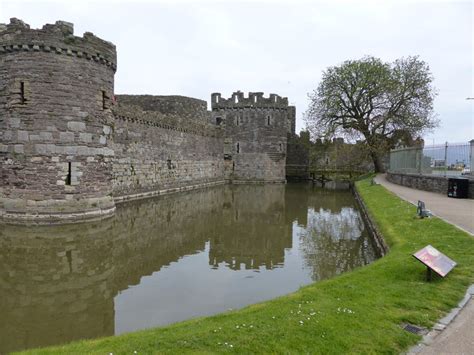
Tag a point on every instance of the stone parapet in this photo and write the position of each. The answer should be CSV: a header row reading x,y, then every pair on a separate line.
x,y
254,100
56,39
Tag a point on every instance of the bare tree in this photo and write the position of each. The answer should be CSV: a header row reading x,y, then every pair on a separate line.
x,y
373,101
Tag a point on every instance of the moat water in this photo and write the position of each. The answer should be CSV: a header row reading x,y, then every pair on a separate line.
x,y
172,258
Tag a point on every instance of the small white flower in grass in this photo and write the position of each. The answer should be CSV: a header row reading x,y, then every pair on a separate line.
x,y
231,345
251,326
301,322
237,326
135,352
309,318
273,317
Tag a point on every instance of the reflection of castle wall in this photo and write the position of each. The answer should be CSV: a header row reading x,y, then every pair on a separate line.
x,y
156,232
54,285
255,233
297,203
58,284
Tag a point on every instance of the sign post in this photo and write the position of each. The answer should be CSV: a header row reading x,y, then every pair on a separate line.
x,y
434,261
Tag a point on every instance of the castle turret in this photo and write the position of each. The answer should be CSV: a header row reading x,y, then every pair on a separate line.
x,y
256,131
55,123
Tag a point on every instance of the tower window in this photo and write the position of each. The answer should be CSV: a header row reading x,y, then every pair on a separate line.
x,y
22,93
280,147
237,147
168,163
268,120
218,121
104,100
69,175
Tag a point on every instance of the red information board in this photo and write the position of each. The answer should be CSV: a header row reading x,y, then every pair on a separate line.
x,y
435,260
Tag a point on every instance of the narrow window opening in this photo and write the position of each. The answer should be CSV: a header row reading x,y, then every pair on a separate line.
x,y
218,121
238,147
275,99
104,98
237,121
168,162
68,177
233,166
280,147
255,99
268,120
22,93
236,99
69,259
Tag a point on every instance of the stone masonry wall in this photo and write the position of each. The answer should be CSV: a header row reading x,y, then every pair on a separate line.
x,y
186,107
297,158
155,153
431,183
55,91
69,148
255,135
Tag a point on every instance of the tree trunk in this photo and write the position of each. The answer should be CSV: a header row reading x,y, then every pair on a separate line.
x,y
378,166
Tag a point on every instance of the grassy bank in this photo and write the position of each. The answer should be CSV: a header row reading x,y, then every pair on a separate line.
x,y
357,312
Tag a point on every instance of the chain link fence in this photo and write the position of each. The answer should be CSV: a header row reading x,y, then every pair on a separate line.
x,y
449,159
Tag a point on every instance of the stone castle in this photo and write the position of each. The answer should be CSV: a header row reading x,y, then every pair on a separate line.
x,y
71,149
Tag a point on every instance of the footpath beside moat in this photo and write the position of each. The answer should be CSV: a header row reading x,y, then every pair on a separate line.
x,y
358,312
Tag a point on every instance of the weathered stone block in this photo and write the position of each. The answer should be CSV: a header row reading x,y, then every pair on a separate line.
x,y
15,122
66,137
23,136
85,137
46,136
19,149
76,126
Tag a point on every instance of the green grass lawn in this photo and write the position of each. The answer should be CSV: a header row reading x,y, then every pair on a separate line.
x,y
357,312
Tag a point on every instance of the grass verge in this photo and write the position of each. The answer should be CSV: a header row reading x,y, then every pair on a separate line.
x,y
357,312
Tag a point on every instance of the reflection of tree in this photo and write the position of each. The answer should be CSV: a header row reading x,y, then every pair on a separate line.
x,y
335,242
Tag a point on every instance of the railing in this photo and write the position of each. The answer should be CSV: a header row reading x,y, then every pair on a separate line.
x,y
445,159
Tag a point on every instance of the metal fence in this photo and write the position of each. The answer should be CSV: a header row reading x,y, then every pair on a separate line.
x,y
445,159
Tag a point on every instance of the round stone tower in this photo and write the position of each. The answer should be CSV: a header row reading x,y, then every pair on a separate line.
x,y
55,123
256,130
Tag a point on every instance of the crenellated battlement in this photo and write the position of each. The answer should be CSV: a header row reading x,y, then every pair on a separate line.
x,y
58,38
70,148
254,99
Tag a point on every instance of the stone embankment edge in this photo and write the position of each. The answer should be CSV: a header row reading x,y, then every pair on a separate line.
x,y
130,197
442,324
383,247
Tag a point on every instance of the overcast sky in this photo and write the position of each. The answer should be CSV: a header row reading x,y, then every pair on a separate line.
x,y
196,48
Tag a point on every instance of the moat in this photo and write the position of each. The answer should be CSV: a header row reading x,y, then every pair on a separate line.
x,y
167,259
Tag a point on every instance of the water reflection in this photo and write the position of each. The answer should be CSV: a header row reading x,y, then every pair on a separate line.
x,y
163,260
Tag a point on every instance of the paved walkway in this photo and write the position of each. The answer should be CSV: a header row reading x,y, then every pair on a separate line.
x,y
458,336
459,212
